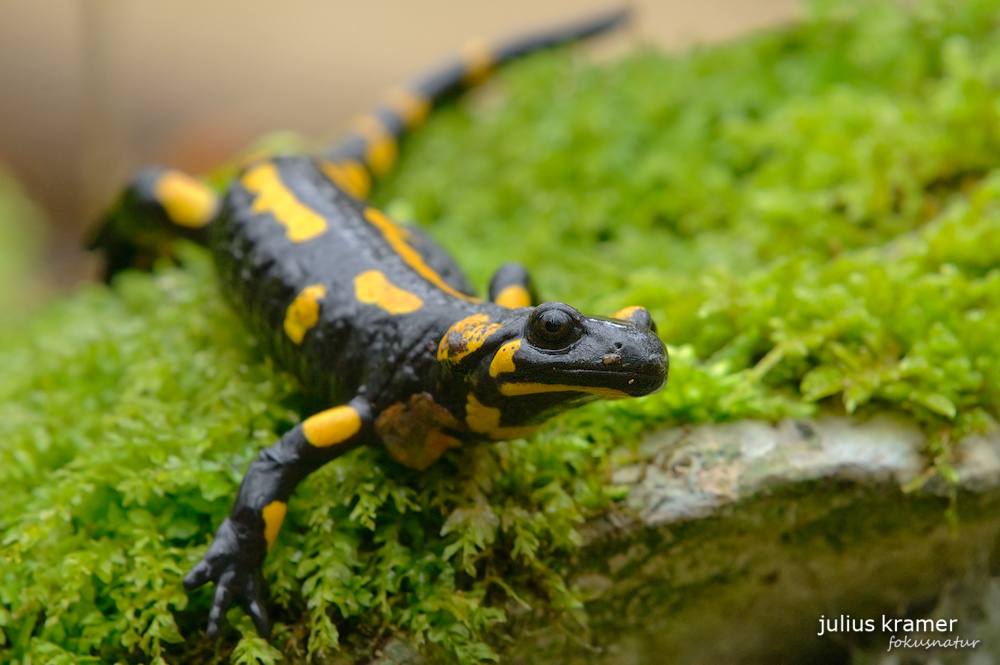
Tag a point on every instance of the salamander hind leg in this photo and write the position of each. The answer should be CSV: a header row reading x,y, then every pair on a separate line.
x,y
512,287
158,204
234,558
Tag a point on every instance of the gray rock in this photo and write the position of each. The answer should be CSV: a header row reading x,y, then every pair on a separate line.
x,y
739,537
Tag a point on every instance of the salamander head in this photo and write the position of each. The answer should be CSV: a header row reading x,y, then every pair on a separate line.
x,y
530,363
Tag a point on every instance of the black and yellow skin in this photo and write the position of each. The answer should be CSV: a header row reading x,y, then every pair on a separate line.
x,y
374,319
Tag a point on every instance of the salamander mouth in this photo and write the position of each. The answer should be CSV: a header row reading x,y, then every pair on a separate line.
x,y
608,384
637,383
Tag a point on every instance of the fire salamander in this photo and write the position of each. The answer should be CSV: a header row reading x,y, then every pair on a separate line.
x,y
372,317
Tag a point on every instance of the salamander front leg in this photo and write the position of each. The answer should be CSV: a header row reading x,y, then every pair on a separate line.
x,y
234,559
511,287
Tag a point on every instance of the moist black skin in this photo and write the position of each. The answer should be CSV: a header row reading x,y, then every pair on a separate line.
x,y
375,320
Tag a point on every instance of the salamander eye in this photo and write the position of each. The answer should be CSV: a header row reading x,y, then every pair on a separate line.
x,y
553,326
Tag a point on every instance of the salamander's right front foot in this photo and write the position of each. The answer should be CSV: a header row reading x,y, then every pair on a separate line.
x,y
233,562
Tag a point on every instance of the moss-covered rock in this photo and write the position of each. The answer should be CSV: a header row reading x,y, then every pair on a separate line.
x,y
742,536
812,215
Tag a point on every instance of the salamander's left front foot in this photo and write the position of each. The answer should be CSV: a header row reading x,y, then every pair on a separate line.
x,y
233,563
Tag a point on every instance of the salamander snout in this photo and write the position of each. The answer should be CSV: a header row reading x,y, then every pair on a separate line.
x,y
644,362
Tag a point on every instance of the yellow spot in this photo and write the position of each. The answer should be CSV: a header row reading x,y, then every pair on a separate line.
x,y
465,336
481,418
477,57
626,313
516,389
303,313
301,222
350,176
330,427
372,288
486,420
514,296
396,237
273,514
380,152
410,106
188,202
503,360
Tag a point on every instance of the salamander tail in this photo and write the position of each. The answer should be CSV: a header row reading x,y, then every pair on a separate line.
x,y
369,149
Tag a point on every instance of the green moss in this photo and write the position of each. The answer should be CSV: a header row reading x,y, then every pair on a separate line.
x,y
811,214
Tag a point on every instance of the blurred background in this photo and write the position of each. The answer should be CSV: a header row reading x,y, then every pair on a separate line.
x,y
90,89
